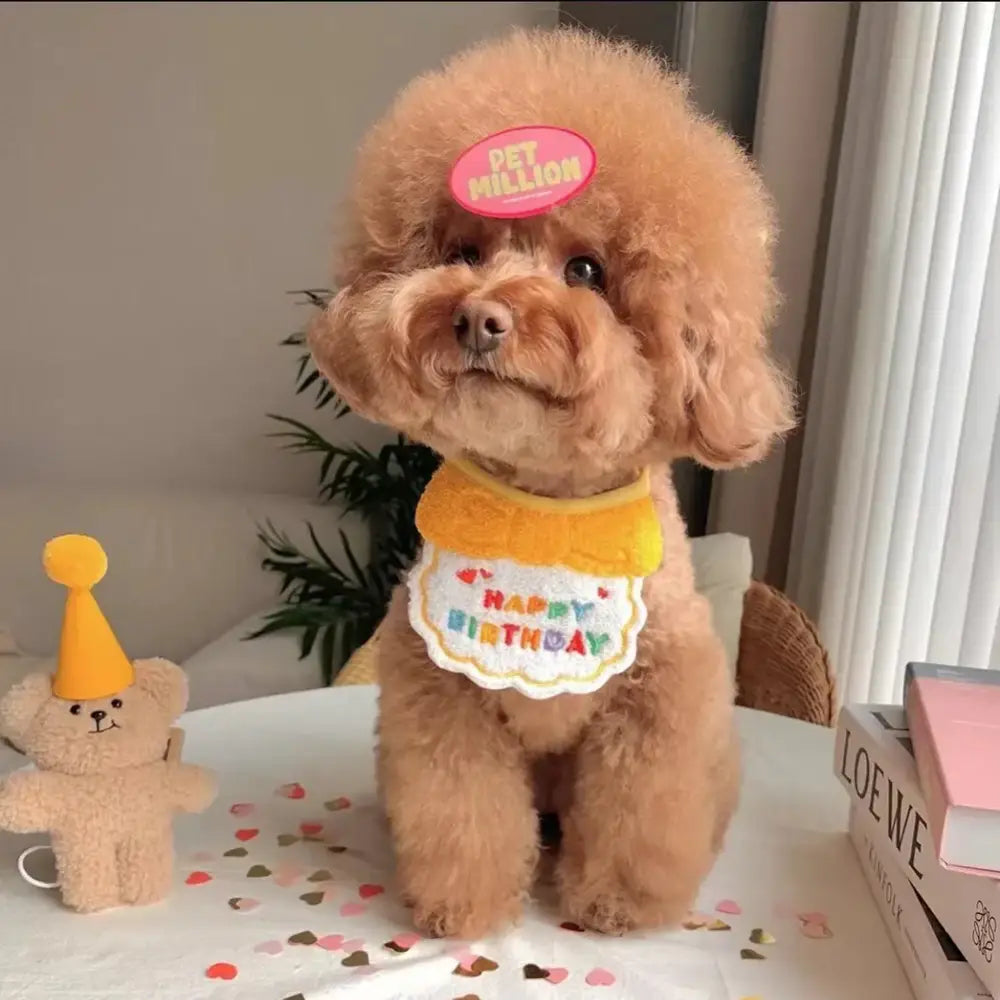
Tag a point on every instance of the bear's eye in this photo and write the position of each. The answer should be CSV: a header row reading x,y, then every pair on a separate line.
x,y
464,253
74,709
116,703
585,272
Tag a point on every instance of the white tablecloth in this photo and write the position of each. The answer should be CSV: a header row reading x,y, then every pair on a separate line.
x,y
310,910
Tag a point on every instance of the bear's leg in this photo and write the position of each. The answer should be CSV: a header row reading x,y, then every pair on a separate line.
x,y
145,867
88,875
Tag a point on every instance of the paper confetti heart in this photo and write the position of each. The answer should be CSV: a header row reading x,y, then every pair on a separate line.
x,y
368,890
243,903
331,942
241,808
557,975
695,921
352,909
719,925
405,941
246,835
467,575
303,937
353,944
337,849
221,970
335,805
299,996
599,977
285,839
310,829
815,917
269,948
729,906
484,964
532,971
749,953
313,898
355,958
292,790
198,878
320,875
568,925
258,871
236,852
202,856
760,936
816,930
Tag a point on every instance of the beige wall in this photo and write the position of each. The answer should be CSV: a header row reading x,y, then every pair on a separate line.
x,y
167,172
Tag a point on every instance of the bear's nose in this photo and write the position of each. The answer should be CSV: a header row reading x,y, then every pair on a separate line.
x,y
98,715
480,325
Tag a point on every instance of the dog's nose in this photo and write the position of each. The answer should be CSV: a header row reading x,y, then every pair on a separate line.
x,y
98,715
480,325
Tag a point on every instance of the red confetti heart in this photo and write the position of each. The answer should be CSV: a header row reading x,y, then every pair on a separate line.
x,y
603,593
467,575
368,890
293,790
310,829
241,808
198,878
246,834
221,970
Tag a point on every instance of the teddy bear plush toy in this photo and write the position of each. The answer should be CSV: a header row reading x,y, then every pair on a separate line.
x,y
98,731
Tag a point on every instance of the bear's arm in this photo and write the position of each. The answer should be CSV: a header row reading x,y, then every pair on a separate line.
x,y
31,801
190,788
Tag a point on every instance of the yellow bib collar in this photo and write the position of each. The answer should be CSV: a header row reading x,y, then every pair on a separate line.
x,y
465,510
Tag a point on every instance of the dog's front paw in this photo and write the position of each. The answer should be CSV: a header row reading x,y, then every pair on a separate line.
x,y
463,919
607,913
612,909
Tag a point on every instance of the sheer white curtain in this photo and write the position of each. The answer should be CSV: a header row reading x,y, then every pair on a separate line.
x,y
896,539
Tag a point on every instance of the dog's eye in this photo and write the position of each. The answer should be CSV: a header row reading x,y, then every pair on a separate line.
x,y
584,271
116,703
464,253
74,709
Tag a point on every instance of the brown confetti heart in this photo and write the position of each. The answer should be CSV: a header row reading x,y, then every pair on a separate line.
x,y
320,875
760,936
468,996
296,996
337,849
392,946
568,925
236,852
719,925
303,937
749,953
258,871
532,971
312,898
285,839
355,958
335,805
694,923
483,964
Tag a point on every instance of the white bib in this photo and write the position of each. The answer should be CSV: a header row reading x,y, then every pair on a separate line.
x,y
544,630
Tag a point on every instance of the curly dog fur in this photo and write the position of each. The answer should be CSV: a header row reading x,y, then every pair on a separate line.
x,y
669,360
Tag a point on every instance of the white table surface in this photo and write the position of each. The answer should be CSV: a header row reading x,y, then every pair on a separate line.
x,y
787,853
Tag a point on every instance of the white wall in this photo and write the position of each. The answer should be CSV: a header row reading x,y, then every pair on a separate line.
x,y
167,172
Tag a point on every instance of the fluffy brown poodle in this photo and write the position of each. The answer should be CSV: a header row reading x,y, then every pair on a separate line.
x,y
633,321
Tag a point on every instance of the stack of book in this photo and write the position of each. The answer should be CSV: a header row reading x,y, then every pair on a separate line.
x,y
924,783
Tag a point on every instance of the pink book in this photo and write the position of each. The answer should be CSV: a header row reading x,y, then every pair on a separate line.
x,y
954,716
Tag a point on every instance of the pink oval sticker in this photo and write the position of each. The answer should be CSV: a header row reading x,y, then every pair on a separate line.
x,y
522,171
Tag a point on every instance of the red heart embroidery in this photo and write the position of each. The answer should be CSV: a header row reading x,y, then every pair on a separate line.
x,y
466,575
246,834
198,878
486,574
602,593
221,970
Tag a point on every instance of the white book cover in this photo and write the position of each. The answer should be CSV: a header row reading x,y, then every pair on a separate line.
x,y
931,960
874,761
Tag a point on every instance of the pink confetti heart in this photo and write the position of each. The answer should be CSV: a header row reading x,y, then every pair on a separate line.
x,y
202,856
817,931
406,940
310,829
557,975
269,948
464,957
784,910
241,808
352,909
331,942
368,890
729,906
352,945
287,875
816,917
600,977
